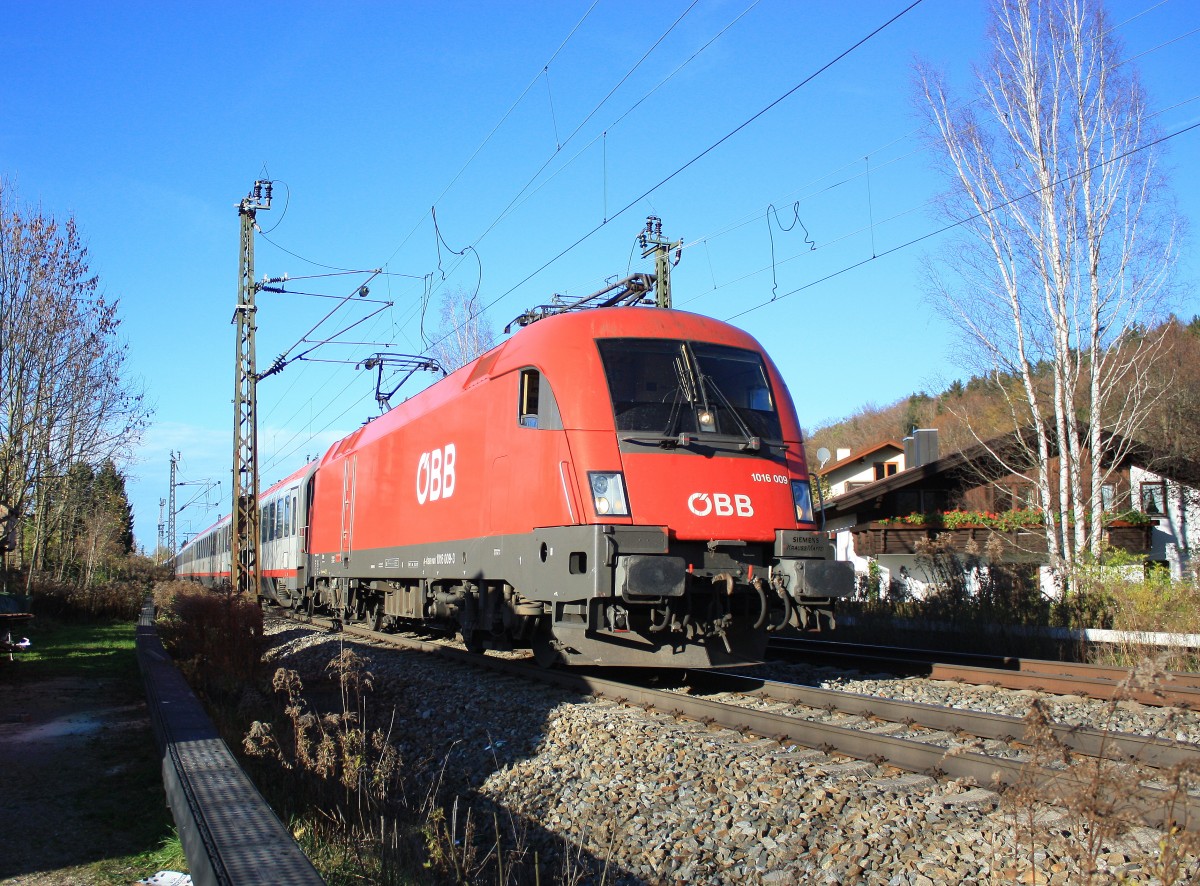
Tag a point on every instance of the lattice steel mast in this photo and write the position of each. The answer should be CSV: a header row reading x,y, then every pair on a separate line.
x,y
171,544
244,545
651,240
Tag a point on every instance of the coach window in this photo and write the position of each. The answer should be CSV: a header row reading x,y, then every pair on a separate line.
x,y
280,519
295,508
537,407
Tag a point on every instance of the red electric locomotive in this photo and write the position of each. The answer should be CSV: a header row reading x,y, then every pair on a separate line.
x,y
618,486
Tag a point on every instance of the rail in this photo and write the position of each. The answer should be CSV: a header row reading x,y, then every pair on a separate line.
x,y
1155,806
1104,682
231,837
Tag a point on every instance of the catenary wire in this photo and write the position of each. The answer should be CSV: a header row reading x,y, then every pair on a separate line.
x,y
517,203
496,127
968,219
757,215
843,54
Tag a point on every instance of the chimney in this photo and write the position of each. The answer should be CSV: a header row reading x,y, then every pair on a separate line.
x,y
842,453
921,448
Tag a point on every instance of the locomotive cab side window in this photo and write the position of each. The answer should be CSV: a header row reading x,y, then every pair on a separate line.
x,y
536,407
531,382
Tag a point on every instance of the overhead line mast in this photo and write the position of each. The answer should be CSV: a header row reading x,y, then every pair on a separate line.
x,y
629,291
244,538
171,537
652,242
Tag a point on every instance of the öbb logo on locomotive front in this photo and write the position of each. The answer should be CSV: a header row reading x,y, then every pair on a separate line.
x,y
721,504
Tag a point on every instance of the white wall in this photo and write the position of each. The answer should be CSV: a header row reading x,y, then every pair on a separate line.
x,y
1176,534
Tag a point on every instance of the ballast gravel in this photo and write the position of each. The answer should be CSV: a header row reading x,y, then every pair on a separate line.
x,y
1172,724
645,798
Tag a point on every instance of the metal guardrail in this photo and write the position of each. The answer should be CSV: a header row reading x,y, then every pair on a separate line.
x,y
231,837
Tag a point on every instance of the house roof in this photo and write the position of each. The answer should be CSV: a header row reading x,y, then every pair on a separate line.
x,y
1006,446
874,489
863,454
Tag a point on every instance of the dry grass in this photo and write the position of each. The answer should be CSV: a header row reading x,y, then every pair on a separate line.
x,y
119,598
373,814
1142,604
1085,813
361,808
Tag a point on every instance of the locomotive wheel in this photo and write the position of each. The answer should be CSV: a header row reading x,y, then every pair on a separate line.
x,y
375,616
545,649
473,640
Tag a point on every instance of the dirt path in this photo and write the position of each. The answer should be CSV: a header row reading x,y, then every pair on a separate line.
x,y
78,778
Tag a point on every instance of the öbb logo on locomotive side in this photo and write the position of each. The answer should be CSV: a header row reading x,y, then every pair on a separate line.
x,y
435,474
719,503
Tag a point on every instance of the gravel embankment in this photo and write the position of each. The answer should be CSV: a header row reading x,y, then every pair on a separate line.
x,y
663,801
1172,724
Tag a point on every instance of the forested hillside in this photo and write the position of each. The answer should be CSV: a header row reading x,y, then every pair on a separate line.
x,y
980,408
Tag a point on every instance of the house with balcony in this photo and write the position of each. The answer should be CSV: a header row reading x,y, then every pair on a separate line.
x,y
971,506
853,470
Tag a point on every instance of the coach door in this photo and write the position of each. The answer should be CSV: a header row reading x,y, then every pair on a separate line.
x,y
291,515
349,471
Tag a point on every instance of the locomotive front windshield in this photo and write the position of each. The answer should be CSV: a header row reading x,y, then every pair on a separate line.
x,y
671,387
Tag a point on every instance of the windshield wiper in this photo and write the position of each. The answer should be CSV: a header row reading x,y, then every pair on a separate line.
x,y
683,391
662,440
753,443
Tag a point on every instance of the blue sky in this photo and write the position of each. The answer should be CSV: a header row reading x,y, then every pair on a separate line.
x,y
149,121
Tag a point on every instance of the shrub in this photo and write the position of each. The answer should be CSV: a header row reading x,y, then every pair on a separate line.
x,y
215,636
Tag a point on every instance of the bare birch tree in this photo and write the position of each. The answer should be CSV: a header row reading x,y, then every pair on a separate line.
x,y
1067,243
464,332
65,393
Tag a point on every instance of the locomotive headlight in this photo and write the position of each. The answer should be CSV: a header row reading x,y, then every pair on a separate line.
x,y
608,493
802,498
706,420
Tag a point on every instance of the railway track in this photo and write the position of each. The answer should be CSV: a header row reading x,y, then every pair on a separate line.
x,y
1156,804
1103,682
1143,750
